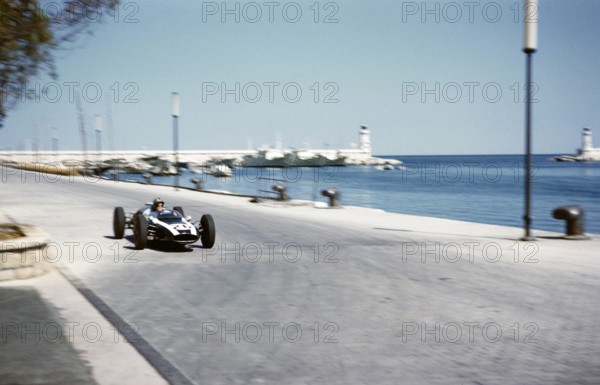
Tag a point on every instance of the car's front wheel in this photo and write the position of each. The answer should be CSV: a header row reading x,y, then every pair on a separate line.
x,y
208,232
140,232
119,222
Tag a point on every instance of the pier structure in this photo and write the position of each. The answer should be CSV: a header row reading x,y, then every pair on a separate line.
x,y
360,155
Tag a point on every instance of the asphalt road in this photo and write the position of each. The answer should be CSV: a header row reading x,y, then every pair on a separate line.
x,y
290,297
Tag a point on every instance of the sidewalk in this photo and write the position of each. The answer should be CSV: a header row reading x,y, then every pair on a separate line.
x,y
34,351
50,334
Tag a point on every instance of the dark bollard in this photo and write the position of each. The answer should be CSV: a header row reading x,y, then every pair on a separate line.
x,y
197,182
148,178
334,196
574,217
282,190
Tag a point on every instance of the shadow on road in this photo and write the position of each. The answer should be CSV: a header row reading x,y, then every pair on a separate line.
x,y
167,247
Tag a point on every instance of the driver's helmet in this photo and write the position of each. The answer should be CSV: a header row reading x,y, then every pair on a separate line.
x,y
155,203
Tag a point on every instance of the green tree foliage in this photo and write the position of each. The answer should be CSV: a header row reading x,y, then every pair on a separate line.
x,y
29,31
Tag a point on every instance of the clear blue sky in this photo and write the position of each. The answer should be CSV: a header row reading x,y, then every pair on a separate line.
x,y
371,62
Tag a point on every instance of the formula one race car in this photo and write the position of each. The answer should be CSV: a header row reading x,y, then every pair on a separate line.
x,y
149,224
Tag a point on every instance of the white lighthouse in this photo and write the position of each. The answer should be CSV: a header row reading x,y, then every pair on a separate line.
x,y
586,142
587,152
365,140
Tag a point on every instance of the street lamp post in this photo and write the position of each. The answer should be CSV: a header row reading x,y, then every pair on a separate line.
x,y
55,142
175,114
98,129
530,46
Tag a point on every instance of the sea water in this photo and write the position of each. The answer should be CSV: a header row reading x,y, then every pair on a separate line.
x,y
478,188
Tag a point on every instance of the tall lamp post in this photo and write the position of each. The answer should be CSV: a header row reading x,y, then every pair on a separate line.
x,y
530,46
55,142
98,129
175,114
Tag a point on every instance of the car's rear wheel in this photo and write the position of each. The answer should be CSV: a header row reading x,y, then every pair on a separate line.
x,y
179,209
119,222
208,232
140,232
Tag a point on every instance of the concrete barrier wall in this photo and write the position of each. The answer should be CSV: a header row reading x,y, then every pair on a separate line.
x,y
26,256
